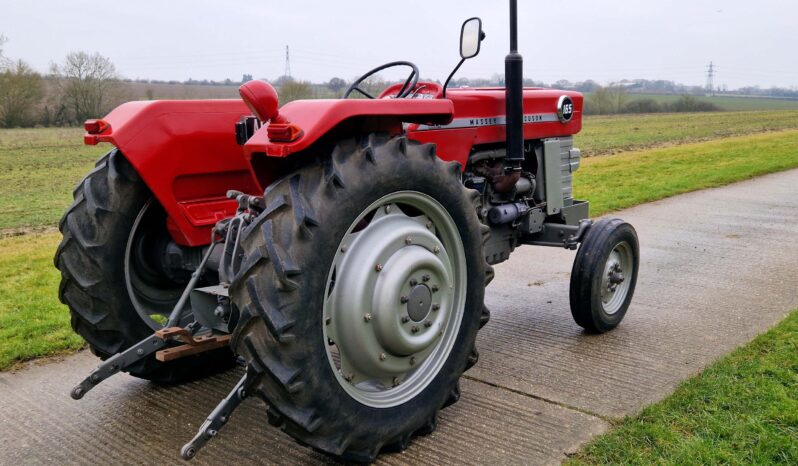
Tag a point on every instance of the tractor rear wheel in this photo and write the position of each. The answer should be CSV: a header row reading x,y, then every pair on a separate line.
x,y
112,277
361,295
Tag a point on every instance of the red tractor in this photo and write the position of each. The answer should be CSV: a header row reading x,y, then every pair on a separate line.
x,y
339,249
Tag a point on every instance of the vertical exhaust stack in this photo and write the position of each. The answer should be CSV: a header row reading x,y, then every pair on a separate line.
x,y
514,82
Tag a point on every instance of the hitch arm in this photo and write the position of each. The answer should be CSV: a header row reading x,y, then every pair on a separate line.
x,y
117,363
219,416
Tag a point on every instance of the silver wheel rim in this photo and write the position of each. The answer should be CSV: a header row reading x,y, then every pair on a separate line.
x,y
394,299
616,278
152,303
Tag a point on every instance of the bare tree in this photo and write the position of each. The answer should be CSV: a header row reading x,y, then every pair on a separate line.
x,y
4,62
20,92
87,84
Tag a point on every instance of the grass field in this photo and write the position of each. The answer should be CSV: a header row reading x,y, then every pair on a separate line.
x,y
39,168
729,103
741,410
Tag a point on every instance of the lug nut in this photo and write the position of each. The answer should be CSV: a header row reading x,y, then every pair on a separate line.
x,y
403,299
414,329
367,317
434,288
436,250
387,209
413,282
408,240
428,324
378,268
396,381
425,278
429,225
344,248
382,356
412,360
328,320
405,319
435,307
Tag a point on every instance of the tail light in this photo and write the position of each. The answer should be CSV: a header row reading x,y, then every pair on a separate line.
x,y
283,132
96,126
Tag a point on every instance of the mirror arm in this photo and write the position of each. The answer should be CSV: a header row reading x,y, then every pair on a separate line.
x,y
446,84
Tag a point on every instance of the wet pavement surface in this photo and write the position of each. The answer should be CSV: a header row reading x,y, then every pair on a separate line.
x,y
717,268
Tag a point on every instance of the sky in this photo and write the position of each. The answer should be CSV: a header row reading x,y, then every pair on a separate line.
x,y
750,43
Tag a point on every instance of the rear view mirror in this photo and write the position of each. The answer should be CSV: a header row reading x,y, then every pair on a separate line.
x,y
471,36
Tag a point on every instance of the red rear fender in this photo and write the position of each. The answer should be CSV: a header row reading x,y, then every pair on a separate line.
x,y
186,153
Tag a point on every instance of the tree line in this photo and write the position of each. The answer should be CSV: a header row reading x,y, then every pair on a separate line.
x,y
82,86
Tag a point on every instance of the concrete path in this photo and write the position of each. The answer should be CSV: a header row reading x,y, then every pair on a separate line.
x,y
718,267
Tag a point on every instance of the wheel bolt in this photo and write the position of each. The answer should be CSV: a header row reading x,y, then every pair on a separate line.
x,y
403,299
343,248
413,282
378,268
428,324
436,250
382,356
367,317
405,319
412,360
434,288
414,329
435,307
408,240
396,381
387,209
425,278
429,225
328,320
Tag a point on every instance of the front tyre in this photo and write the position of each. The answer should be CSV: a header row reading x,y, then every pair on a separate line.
x,y
604,275
361,295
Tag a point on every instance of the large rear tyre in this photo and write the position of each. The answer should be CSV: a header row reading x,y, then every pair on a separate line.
x,y
117,292
604,275
361,295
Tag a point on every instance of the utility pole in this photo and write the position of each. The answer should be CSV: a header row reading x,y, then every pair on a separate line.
x,y
711,79
287,73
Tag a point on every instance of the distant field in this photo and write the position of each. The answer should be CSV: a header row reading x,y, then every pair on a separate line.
x,y
613,133
730,103
39,167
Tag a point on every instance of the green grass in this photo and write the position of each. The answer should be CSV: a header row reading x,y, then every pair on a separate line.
x,y
38,169
619,181
741,410
609,134
729,103
33,322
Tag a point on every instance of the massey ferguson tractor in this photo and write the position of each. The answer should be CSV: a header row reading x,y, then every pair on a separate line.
x,y
338,249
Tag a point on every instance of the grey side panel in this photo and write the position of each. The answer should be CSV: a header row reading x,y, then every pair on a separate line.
x,y
552,166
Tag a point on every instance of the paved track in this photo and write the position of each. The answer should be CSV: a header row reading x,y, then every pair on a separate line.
x,y
718,267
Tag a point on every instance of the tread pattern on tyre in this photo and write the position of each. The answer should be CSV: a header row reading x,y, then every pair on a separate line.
x,y
95,230
268,292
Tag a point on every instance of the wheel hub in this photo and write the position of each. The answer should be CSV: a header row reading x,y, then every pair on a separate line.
x,y
419,303
613,286
391,301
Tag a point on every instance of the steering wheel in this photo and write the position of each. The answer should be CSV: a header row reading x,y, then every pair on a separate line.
x,y
410,84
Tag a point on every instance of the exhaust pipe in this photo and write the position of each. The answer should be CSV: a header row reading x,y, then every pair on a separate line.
x,y
514,82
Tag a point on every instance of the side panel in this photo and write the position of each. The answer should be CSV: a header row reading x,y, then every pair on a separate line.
x,y
186,153
479,118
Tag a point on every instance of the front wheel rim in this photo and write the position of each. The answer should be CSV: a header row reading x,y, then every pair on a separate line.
x,y
616,278
394,299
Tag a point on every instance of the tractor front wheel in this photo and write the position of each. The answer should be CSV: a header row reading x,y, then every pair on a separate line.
x,y
604,275
361,295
